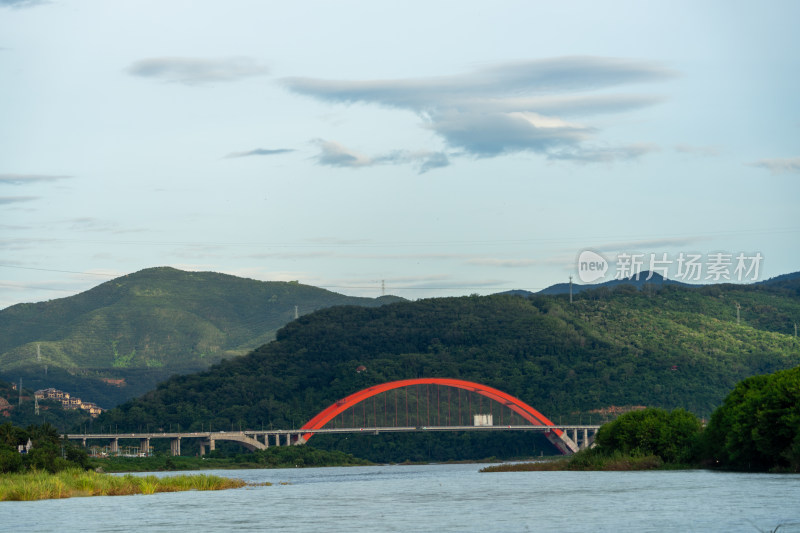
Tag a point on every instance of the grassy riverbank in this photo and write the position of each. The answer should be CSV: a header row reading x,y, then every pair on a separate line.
x,y
614,462
74,482
274,457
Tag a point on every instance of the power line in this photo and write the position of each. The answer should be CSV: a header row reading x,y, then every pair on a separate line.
x,y
110,276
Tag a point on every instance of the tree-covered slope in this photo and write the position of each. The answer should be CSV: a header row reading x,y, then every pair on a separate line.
x,y
146,326
675,347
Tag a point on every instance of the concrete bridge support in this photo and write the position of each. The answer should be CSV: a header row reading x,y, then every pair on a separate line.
x,y
114,448
175,446
144,446
210,442
585,441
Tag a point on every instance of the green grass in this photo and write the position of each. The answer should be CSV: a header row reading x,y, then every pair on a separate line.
x,y
72,483
583,461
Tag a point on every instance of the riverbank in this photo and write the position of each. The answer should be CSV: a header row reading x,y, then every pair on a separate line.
x,y
275,457
71,483
583,462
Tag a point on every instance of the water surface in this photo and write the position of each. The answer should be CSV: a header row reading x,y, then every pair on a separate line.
x,y
438,498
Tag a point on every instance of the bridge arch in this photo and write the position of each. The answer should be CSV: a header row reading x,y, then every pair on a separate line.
x,y
556,436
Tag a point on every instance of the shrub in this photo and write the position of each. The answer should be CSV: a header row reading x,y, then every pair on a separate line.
x,y
758,425
672,436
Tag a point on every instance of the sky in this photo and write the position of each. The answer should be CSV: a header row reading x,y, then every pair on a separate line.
x,y
422,149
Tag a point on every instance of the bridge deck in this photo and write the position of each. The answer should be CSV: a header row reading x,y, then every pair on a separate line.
x,y
220,435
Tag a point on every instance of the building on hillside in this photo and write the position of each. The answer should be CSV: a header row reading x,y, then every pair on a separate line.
x,y
51,394
93,409
67,401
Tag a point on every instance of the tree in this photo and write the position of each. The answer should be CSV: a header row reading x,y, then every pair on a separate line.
x,y
48,451
12,436
671,435
10,460
758,425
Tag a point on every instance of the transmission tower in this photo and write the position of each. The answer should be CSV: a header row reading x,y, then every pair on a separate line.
x,y
570,289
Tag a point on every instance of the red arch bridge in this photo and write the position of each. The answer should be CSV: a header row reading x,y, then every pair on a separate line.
x,y
424,404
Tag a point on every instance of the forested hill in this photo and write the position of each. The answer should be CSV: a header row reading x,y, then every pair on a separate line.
x,y
670,347
119,339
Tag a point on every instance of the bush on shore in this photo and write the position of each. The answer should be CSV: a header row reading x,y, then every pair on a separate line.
x,y
757,428
48,452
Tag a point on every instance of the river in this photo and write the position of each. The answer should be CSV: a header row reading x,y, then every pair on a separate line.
x,y
437,498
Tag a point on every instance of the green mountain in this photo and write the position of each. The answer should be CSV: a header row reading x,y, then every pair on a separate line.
x,y
666,347
119,339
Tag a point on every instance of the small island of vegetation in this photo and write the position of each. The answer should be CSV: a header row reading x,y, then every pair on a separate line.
x,y
757,429
40,485
36,464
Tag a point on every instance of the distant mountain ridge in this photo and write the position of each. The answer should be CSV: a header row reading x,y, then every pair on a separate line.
x,y
146,326
643,279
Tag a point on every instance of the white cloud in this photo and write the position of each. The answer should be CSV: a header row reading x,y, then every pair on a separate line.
x,y
259,151
650,245
22,179
22,3
197,71
594,154
16,199
334,154
504,81
790,165
511,107
491,134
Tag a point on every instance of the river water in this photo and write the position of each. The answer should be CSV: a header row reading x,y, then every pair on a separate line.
x,y
437,498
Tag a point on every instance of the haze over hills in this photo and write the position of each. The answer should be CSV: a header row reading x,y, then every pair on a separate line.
x,y
122,337
645,278
670,347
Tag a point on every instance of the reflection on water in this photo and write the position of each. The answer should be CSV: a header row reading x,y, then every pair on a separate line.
x,y
438,498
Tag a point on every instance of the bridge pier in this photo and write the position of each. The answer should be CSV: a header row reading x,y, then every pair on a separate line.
x,y
175,446
114,447
144,445
210,442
